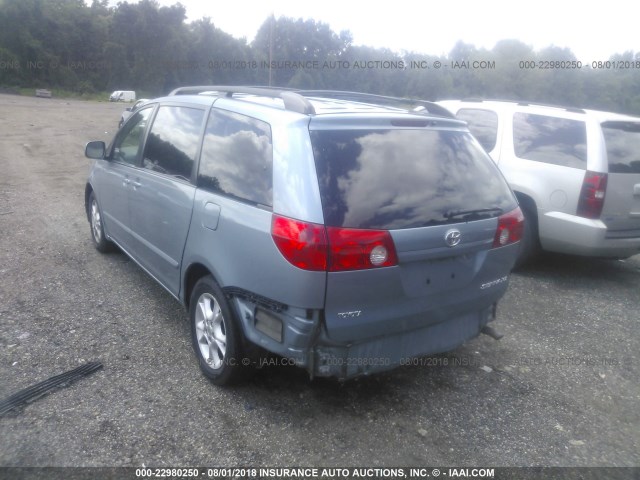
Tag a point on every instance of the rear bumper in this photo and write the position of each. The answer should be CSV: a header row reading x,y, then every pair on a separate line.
x,y
563,233
384,353
302,340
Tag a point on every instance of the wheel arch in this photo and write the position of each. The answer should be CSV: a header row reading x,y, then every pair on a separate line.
x,y
528,203
88,190
193,273
530,242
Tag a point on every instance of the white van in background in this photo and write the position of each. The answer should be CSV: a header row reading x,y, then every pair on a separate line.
x,y
123,96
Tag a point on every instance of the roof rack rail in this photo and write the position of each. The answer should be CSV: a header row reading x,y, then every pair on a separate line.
x,y
526,103
415,106
292,100
297,101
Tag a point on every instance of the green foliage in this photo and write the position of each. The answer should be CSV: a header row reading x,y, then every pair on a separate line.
x,y
285,41
77,48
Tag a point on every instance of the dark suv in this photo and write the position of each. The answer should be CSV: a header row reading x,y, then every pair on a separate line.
x,y
345,232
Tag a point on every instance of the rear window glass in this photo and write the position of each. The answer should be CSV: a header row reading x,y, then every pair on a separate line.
x,y
558,141
483,124
393,179
623,146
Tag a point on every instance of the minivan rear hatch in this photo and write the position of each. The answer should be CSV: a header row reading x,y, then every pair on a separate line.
x,y
621,211
439,196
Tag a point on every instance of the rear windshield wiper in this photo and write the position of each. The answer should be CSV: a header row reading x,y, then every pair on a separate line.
x,y
458,213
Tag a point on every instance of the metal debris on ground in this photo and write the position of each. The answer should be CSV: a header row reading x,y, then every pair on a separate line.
x,y
36,391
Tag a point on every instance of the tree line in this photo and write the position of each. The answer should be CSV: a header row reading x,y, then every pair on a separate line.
x,y
152,49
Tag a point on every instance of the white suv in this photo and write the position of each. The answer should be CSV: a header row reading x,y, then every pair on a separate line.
x,y
576,173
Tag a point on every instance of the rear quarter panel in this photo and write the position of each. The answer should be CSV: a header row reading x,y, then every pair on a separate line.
x,y
240,252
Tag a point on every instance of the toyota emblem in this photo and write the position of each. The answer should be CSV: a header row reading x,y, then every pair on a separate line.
x,y
452,237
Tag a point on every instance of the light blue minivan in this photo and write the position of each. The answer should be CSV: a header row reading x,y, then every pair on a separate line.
x,y
345,232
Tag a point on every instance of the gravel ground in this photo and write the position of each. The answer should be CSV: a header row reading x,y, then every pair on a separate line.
x,y
560,389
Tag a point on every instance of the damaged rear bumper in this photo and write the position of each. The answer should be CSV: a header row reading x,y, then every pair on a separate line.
x,y
298,335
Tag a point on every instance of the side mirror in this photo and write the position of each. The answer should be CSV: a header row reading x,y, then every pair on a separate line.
x,y
128,109
95,150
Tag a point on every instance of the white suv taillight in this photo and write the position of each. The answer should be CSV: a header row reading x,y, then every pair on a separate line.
x,y
592,195
510,228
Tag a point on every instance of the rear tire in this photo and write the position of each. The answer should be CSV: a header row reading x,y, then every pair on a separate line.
x,y
530,243
215,333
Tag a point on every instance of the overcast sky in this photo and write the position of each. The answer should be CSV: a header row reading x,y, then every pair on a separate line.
x,y
592,30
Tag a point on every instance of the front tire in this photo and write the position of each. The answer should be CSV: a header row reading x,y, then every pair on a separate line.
x,y
97,227
215,334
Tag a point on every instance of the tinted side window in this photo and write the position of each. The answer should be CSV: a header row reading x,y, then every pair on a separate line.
x,y
483,125
129,139
237,157
553,140
623,146
173,141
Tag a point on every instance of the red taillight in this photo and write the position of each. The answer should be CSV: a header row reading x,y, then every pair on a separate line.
x,y
351,249
510,228
310,247
303,244
592,194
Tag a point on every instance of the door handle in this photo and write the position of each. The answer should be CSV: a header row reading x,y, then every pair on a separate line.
x,y
136,184
125,182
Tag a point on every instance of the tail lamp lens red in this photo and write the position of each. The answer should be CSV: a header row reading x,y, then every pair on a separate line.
x,y
311,246
303,244
510,228
352,249
592,195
